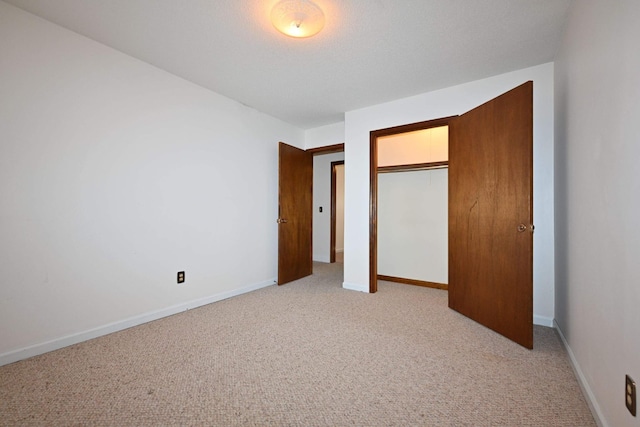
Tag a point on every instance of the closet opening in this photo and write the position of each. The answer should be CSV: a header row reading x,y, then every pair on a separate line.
x,y
408,213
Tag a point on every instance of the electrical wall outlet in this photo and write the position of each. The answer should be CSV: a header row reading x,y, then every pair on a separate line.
x,y
180,276
630,395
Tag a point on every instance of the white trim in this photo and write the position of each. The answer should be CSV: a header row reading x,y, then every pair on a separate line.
x,y
55,344
543,321
582,381
355,287
321,258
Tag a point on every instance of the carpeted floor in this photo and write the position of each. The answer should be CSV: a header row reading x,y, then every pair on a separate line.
x,y
305,354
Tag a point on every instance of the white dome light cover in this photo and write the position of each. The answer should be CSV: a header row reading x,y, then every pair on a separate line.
x,y
297,18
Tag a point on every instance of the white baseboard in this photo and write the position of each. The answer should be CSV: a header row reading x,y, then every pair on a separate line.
x,y
582,381
321,258
355,287
58,343
543,321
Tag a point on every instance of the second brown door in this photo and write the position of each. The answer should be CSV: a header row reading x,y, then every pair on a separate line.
x,y
491,214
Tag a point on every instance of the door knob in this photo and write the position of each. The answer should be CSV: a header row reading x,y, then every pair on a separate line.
x,y
281,221
522,228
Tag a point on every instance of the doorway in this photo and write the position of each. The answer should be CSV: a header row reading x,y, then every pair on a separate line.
x,y
296,224
374,170
337,212
412,207
328,202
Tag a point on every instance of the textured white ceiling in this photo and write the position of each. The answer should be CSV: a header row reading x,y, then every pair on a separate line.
x,y
370,51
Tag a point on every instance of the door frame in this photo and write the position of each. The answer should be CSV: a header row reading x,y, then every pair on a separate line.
x,y
373,186
332,247
326,149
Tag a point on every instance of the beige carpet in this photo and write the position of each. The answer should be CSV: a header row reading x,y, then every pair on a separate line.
x,y
305,354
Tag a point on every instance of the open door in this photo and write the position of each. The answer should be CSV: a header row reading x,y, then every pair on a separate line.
x,y
295,209
491,214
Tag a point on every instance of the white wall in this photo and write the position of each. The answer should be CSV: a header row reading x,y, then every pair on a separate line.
x,y
447,102
114,175
322,197
412,225
324,135
597,199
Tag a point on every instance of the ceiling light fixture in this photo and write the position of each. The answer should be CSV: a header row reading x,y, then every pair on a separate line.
x,y
297,18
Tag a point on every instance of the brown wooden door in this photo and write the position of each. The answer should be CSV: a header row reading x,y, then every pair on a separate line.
x,y
491,214
295,209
